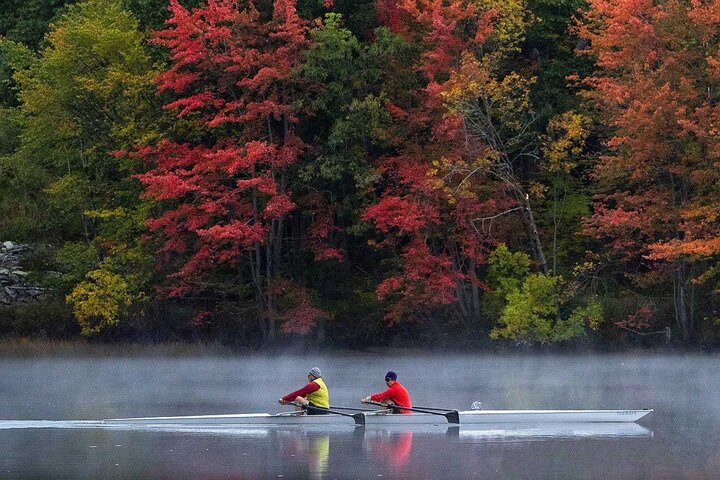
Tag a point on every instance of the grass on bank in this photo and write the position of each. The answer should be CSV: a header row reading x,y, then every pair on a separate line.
x,y
29,347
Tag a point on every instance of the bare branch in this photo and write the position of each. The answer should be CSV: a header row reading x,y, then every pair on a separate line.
x,y
489,220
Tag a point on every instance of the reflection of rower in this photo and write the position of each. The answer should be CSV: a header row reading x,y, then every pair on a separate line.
x,y
392,448
319,455
314,394
401,450
394,395
306,449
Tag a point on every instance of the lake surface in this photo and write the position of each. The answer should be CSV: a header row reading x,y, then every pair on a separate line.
x,y
43,400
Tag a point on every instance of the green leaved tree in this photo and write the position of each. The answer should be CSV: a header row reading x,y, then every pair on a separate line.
x,y
535,308
89,92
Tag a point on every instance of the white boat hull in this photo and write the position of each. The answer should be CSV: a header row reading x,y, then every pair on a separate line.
x,y
469,417
486,431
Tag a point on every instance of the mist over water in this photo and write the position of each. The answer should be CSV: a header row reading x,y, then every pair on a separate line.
x,y
676,441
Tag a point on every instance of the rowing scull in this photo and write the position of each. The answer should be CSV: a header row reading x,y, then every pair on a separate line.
x,y
468,417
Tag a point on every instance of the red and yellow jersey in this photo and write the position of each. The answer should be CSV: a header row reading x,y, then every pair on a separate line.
x,y
315,391
321,396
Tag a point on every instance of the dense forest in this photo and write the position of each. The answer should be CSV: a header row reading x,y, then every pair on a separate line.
x,y
460,173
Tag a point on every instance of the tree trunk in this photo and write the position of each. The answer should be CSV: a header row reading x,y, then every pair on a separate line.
x,y
680,283
474,291
262,295
269,314
532,231
680,299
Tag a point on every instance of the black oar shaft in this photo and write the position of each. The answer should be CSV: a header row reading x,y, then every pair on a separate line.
x,y
358,417
353,409
435,408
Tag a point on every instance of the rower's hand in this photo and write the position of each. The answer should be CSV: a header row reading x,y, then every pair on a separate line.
x,y
365,400
282,402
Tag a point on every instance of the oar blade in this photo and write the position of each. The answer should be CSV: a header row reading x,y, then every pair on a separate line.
x,y
453,417
359,419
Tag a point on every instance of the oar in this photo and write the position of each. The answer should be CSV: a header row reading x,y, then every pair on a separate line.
x,y
353,409
435,408
358,417
452,416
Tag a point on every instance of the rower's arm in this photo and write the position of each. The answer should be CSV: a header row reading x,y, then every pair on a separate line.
x,y
309,388
379,397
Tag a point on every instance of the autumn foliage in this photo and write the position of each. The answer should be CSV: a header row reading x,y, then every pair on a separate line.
x,y
251,170
435,265
657,71
227,198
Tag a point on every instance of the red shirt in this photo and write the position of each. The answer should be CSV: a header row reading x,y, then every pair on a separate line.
x,y
397,394
309,388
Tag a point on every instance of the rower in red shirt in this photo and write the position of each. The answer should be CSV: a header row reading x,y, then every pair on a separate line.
x,y
394,395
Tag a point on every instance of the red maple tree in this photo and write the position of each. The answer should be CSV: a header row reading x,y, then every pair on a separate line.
x,y
439,245
224,198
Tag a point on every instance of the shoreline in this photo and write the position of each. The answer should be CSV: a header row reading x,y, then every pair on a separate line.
x,y
22,347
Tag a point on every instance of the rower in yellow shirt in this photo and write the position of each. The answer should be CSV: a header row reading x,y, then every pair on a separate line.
x,y
314,394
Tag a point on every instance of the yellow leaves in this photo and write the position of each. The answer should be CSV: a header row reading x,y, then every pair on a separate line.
x,y
583,268
467,82
565,141
710,274
457,177
705,214
98,300
107,213
114,284
537,190
512,18
475,86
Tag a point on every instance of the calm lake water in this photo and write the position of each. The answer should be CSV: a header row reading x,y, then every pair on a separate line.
x,y
42,400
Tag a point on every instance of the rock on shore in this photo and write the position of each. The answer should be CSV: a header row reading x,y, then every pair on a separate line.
x,y
13,279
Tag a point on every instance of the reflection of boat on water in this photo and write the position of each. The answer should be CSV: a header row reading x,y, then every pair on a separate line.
x,y
311,452
469,417
520,430
63,424
558,430
488,432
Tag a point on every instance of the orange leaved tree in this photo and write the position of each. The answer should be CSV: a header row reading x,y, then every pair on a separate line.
x,y
657,86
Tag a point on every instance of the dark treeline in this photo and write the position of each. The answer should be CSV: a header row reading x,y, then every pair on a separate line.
x,y
426,172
